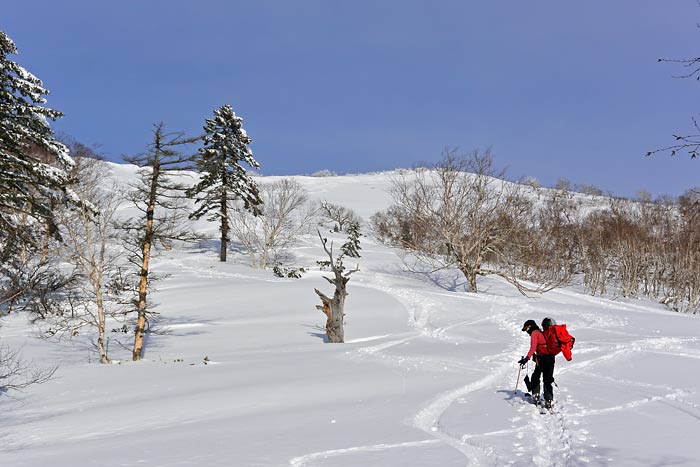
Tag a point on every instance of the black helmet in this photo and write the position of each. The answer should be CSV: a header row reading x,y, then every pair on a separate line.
x,y
530,323
547,322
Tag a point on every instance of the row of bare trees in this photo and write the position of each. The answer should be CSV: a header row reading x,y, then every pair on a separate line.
x,y
644,249
462,214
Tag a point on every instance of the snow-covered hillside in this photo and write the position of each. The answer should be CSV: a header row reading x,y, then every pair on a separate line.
x,y
239,374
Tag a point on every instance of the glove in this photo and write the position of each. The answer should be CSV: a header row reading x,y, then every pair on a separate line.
x,y
523,361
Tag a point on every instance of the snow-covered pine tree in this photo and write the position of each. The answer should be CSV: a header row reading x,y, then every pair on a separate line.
x,y
352,247
32,179
32,163
223,178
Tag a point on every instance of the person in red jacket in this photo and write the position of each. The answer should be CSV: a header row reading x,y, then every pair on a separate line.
x,y
544,363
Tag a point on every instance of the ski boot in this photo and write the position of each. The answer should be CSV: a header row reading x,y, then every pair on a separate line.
x,y
548,405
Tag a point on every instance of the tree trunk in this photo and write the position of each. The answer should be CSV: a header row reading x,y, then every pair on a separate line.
x,y
143,290
224,227
46,239
471,282
146,255
470,274
333,309
101,326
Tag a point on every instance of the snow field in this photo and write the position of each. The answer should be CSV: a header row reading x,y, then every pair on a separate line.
x,y
238,374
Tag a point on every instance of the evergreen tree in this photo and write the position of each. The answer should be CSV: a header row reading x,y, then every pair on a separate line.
x,y
32,163
223,178
352,247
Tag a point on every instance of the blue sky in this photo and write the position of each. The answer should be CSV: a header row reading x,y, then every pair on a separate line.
x,y
556,88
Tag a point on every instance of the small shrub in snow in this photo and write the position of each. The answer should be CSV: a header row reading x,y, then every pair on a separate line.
x,y
291,273
124,329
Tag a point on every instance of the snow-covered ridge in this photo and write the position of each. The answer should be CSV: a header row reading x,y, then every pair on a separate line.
x,y
367,193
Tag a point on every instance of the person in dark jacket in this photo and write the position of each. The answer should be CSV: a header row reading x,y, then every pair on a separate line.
x,y
544,362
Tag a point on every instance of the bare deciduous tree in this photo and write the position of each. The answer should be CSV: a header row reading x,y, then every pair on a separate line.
x,y
33,283
90,244
553,255
341,215
687,142
17,373
684,142
285,214
464,215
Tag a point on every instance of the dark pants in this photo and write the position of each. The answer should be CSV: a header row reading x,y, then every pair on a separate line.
x,y
544,367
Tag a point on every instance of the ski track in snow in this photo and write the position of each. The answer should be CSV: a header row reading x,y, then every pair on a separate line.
x,y
305,460
559,439
552,437
553,442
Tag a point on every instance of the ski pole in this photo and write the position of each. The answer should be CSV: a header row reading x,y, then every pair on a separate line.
x,y
517,381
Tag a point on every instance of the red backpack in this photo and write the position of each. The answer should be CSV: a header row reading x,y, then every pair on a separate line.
x,y
559,340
